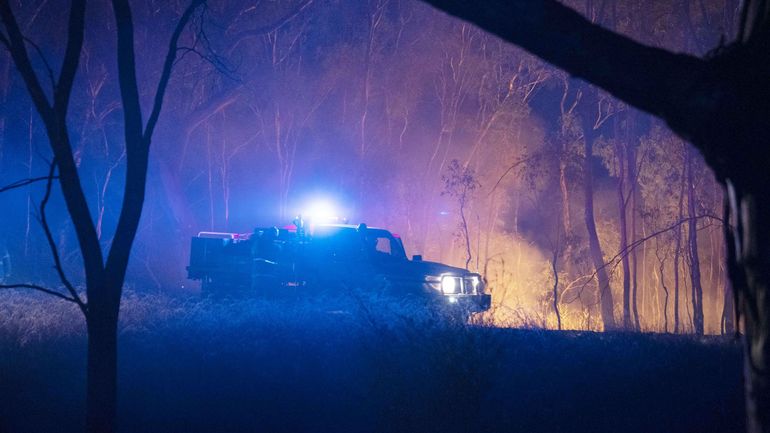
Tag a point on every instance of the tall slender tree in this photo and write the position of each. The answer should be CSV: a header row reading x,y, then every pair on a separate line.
x,y
104,278
604,290
696,287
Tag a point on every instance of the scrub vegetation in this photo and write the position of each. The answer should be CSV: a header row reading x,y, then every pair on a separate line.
x,y
354,364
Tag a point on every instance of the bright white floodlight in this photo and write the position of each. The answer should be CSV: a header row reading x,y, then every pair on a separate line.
x,y
320,211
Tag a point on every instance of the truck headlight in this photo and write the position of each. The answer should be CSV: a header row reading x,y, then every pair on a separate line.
x,y
450,285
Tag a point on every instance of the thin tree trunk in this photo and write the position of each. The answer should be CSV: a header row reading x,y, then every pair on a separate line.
x,y
634,192
665,299
604,291
468,254
695,278
728,309
622,228
565,208
678,248
554,259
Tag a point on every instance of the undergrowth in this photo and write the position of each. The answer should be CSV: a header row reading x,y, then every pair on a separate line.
x,y
356,363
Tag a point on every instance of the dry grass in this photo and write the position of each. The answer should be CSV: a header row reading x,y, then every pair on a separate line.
x,y
356,363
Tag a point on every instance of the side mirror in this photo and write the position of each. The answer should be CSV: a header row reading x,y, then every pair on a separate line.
x,y
417,258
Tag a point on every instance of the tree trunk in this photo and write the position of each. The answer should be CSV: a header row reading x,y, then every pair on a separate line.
x,y
622,228
631,153
604,291
729,313
728,310
665,299
101,382
678,249
565,208
749,266
695,277
466,235
554,259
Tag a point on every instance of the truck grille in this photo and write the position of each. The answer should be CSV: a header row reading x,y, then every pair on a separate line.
x,y
467,287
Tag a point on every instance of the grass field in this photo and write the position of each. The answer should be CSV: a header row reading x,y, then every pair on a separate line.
x,y
357,365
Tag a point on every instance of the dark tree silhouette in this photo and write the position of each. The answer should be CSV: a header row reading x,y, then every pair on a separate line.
x,y
104,279
720,103
692,242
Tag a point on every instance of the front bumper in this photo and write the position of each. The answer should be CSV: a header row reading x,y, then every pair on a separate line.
x,y
470,303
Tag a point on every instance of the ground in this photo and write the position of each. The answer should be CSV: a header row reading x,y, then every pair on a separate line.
x,y
358,365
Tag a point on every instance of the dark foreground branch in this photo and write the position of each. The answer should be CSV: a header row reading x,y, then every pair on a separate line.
x,y
24,182
39,289
168,64
52,244
652,79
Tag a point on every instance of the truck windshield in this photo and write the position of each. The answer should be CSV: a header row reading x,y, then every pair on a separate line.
x,y
349,243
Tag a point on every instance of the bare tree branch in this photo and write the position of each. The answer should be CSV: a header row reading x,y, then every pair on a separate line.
x,y
167,66
24,182
513,166
217,62
614,260
137,141
15,44
39,289
69,67
54,118
45,61
651,79
273,26
52,244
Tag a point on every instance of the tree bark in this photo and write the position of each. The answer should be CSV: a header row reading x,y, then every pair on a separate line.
x,y
101,387
749,267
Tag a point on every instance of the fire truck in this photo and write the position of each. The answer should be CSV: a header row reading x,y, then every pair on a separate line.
x,y
303,259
